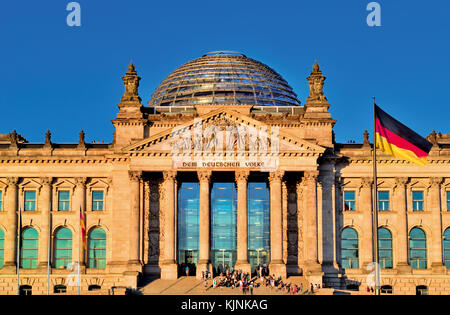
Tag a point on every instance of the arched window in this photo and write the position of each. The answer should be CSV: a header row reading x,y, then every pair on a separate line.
x,y
2,248
30,247
421,290
58,289
417,249
385,248
63,248
25,290
94,287
447,248
386,289
97,249
349,249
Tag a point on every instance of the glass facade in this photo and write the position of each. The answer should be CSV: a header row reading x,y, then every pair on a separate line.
x,y
97,200
223,226
447,248
418,249
30,200
383,200
188,223
385,248
350,249
417,197
30,247
63,248
349,201
97,249
63,200
448,200
258,210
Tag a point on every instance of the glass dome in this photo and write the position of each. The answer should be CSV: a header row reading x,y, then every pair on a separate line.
x,y
224,77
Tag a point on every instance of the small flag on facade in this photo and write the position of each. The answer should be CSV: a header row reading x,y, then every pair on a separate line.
x,y
394,138
83,229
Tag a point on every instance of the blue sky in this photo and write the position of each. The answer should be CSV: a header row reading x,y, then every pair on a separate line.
x,y
67,79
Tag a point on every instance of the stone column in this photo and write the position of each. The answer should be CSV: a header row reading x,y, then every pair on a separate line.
x,y
312,267
169,268
204,260
45,198
276,266
135,180
402,235
365,207
11,200
80,202
436,227
242,222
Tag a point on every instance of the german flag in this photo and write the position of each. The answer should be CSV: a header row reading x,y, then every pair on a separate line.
x,y
83,229
394,138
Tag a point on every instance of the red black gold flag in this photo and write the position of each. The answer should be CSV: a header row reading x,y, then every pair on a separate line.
x,y
394,138
83,229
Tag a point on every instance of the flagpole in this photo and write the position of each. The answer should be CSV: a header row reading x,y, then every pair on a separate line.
x,y
49,246
19,228
375,205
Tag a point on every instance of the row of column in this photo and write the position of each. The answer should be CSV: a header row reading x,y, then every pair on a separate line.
x,y
277,265
11,209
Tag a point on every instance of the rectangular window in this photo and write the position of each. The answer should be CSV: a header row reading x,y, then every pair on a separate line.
x,y
1,200
417,197
97,201
63,200
30,200
383,201
349,201
448,200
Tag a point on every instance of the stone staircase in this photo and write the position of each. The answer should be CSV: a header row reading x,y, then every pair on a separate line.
x,y
192,286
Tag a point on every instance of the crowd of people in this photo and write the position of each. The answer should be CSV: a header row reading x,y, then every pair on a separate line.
x,y
246,283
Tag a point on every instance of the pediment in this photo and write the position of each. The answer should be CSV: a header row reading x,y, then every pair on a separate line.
x,y
224,130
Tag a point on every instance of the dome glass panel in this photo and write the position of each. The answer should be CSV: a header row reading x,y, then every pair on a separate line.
x,y
224,78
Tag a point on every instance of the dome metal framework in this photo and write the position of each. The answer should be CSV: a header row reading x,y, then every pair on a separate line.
x,y
224,77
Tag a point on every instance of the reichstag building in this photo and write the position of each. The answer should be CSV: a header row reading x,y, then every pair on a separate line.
x,y
224,168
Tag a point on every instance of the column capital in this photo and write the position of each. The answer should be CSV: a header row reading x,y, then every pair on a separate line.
x,y
401,181
81,182
435,182
204,176
241,176
276,176
311,175
169,175
12,181
135,176
46,181
366,182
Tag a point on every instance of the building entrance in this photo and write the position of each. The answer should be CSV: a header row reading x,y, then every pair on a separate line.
x,y
223,226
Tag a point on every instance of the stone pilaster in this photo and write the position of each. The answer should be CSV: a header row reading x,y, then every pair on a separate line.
x,y
365,206
242,223
169,269
402,223
312,267
276,265
204,262
45,208
134,262
80,203
436,228
11,200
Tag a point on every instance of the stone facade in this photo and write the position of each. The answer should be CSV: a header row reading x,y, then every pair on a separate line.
x,y
139,183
